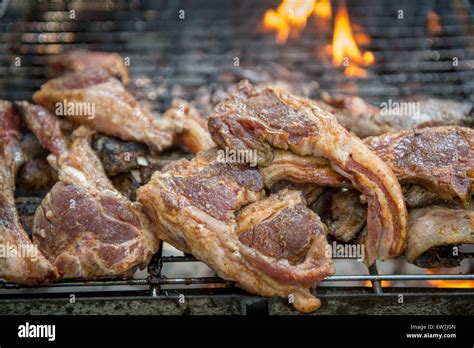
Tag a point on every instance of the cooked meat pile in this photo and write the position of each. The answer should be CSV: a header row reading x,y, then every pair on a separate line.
x,y
440,159
83,225
434,227
274,246
83,60
366,120
95,148
272,119
21,262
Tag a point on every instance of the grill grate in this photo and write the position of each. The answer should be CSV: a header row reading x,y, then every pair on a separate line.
x,y
183,55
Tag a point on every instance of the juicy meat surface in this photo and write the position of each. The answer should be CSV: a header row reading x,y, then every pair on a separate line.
x,y
364,119
197,207
273,119
83,225
83,60
440,159
434,227
95,99
346,215
22,262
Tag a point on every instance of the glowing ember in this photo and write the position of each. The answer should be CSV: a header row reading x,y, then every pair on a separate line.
x,y
291,16
434,26
344,47
449,283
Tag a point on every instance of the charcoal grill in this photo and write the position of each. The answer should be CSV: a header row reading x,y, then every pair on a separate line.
x,y
171,56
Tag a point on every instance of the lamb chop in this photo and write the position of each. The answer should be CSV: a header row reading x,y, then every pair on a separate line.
x,y
273,247
365,119
434,231
249,120
83,225
83,60
21,261
440,159
95,99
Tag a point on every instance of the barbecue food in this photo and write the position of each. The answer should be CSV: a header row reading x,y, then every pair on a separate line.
x,y
418,197
83,60
20,262
194,135
248,120
440,159
95,99
310,192
435,227
84,226
365,120
346,215
26,208
286,165
274,247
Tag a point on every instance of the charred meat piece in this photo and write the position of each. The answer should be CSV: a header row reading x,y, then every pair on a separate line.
x,y
21,262
440,159
35,176
83,225
194,135
346,215
271,119
26,208
365,119
418,197
286,165
434,228
274,248
83,60
95,99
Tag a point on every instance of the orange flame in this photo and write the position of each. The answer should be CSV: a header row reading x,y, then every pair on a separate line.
x,y
291,16
323,9
449,283
344,47
434,26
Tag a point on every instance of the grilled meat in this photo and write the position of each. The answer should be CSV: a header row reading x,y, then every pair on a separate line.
x,y
440,159
249,120
365,120
194,135
274,247
346,215
83,225
26,208
21,261
310,192
35,175
83,60
286,165
434,228
418,197
98,101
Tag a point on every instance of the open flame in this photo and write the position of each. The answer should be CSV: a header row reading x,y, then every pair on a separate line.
x,y
291,16
449,283
344,46
434,25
